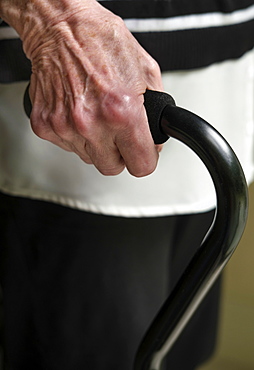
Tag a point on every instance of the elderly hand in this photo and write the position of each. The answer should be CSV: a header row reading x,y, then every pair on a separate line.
x,y
89,75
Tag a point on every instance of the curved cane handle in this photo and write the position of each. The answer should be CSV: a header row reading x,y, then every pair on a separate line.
x,y
220,241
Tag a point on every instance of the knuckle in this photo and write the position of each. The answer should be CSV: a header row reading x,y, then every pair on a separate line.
x,y
153,71
81,123
117,108
45,123
153,67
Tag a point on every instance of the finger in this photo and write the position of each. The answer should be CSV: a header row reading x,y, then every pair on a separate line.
x,y
136,144
140,154
105,157
44,133
140,160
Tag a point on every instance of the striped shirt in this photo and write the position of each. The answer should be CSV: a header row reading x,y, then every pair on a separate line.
x,y
200,33
205,50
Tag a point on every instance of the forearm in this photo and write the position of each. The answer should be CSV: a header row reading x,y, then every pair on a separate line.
x,y
31,18
18,12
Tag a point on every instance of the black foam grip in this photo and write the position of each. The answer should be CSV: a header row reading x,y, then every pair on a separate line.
x,y
155,102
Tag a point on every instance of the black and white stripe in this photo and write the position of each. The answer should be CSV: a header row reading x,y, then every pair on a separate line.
x,y
193,40
180,35
172,8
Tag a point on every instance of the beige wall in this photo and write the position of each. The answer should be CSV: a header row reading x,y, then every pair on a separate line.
x,y
236,340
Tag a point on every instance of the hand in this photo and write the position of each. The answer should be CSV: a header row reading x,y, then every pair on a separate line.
x,y
89,75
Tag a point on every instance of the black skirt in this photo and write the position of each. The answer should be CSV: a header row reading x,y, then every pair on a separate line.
x,y
80,289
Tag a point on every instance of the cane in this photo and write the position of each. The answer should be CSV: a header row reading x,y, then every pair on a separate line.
x,y
168,120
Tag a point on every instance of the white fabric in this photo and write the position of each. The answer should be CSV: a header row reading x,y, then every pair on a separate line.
x,y
190,21
222,94
8,33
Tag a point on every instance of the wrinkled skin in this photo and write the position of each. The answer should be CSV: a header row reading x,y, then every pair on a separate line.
x,y
88,79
